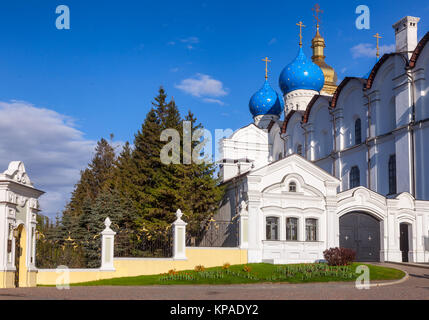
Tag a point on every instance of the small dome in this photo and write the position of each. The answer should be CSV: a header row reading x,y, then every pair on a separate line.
x,y
301,73
266,101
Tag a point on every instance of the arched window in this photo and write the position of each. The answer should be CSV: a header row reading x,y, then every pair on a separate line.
x,y
358,131
292,187
292,229
310,229
354,177
299,149
272,231
392,174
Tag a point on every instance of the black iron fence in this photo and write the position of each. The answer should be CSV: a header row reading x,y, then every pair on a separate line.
x,y
69,252
158,244
216,233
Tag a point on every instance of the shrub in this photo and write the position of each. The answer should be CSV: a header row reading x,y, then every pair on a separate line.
x,y
339,256
199,268
226,266
247,269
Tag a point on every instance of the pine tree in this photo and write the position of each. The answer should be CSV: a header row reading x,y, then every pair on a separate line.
x,y
93,179
200,191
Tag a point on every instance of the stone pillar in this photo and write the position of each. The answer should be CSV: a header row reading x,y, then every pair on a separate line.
x,y
179,237
107,247
244,226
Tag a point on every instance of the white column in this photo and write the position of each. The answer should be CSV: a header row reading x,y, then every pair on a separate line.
x,y
244,226
179,240
107,247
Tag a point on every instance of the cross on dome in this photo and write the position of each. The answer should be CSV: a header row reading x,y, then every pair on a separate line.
x,y
300,25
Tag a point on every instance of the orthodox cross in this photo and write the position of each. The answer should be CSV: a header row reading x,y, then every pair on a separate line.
x,y
377,35
317,10
300,25
266,67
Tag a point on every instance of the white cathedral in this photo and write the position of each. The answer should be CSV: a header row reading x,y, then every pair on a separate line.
x,y
345,168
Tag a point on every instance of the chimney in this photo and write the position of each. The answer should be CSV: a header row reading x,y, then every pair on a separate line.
x,y
406,35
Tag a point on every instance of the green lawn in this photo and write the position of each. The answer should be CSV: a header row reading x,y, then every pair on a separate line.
x,y
259,273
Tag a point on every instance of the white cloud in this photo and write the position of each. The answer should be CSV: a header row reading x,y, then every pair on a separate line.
x,y
193,40
367,50
217,101
202,86
50,146
272,41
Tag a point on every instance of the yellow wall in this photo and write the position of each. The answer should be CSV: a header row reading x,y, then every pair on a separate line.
x,y
7,279
129,267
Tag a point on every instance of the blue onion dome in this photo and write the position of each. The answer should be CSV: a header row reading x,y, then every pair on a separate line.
x,y
301,73
266,101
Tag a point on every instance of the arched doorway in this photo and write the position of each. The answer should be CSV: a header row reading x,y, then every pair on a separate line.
x,y
361,232
20,244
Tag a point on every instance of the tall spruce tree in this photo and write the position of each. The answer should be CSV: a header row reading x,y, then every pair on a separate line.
x,y
93,179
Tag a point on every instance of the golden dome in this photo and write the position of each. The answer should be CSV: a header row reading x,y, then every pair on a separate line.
x,y
331,78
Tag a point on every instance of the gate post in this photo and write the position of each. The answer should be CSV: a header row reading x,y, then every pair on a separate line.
x,y
179,237
244,226
107,247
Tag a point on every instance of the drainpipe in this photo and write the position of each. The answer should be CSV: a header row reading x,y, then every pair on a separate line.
x,y
367,140
334,125
412,138
412,158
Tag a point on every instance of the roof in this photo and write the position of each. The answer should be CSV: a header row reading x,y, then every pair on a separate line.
x,y
341,87
311,104
288,117
418,50
376,68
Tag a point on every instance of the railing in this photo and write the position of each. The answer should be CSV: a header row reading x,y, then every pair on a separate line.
x,y
71,253
215,234
147,245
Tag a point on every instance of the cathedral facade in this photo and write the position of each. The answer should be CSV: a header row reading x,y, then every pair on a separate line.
x,y
346,165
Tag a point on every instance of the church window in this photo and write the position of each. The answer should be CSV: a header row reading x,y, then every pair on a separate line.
x,y
392,174
292,187
299,149
310,229
354,177
358,131
272,232
291,229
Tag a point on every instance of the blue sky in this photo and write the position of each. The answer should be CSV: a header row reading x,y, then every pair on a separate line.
x,y
101,76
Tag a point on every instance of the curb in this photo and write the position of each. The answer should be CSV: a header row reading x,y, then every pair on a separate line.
x,y
384,284
409,264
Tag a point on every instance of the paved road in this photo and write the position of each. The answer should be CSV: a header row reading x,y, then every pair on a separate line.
x,y
417,287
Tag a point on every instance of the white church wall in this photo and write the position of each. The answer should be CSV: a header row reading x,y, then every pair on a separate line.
x,y
383,149
421,76
326,164
421,79
322,126
277,142
295,134
352,103
351,158
383,100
